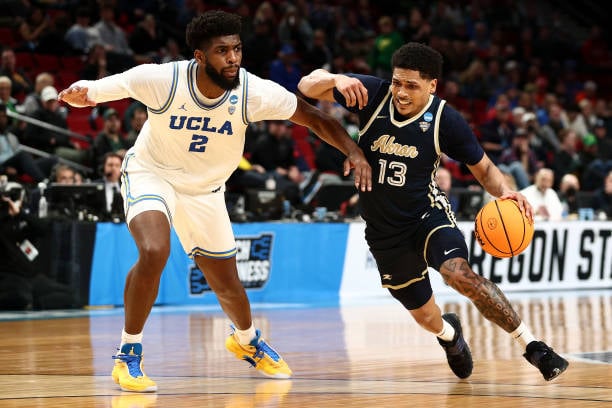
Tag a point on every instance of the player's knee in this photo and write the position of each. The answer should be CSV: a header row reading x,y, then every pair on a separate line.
x,y
154,252
425,317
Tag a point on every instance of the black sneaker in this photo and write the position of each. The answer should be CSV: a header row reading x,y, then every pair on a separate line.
x,y
550,364
458,352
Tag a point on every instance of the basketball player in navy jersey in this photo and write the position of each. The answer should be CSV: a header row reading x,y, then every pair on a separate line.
x,y
404,129
175,175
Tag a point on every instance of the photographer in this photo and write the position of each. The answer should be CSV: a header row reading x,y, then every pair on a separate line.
x,y
22,284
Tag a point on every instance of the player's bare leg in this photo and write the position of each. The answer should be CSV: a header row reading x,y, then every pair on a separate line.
x,y
151,232
485,295
448,330
222,276
494,306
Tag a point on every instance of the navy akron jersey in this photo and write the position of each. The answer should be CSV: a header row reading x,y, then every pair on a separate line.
x,y
404,154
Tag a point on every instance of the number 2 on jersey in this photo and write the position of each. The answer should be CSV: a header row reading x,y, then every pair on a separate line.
x,y
198,143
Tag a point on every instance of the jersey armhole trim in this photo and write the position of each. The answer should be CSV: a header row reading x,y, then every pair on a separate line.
x,y
173,87
437,128
245,94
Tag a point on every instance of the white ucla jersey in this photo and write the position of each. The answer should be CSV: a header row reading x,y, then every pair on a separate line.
x,y
193,142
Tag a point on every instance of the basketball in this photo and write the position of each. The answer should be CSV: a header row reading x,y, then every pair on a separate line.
x,y
502,230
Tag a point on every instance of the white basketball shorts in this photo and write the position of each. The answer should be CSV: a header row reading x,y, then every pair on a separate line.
x,y
201,222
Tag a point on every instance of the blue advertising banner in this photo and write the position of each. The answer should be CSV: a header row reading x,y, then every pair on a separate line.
x,y
277,262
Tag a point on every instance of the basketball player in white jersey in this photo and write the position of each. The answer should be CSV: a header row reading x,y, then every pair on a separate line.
x,y
175,175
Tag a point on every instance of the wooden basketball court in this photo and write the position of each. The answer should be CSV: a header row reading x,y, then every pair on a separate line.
x,y
366,355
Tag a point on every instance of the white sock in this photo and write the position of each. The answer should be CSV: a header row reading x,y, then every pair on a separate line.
x,y
245,336
523,335
130,338
448,331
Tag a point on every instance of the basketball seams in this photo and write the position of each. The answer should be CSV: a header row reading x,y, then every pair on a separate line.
x,y
483,230
507,213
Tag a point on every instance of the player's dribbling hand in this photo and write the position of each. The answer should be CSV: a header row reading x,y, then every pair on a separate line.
x,y
522,202
76,96
363,171
353,91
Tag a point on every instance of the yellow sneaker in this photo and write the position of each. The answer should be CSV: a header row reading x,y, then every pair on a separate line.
x,y
127,371
260,355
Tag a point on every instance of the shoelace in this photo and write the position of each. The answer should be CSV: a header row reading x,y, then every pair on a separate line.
x,y
263,348
132,362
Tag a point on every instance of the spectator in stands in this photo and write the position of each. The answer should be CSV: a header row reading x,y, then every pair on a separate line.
x,y
386,42
113,38
604,142
20,81
273,157
78,37
5,94
50,140
137,117
602,199
568,194
567,160
110,139
33,29
261,47
147,39
285,69
418,28
63,173
497,133
32,101
595,50
575,120
544,200
96,65
16,162
171,52
111,174
519,159
444,181
295,30
597,156
352,38
320,55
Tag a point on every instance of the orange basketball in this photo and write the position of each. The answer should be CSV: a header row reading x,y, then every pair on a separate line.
x,y
502,230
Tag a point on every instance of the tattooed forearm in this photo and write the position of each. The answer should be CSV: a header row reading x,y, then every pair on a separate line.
x,y
485,295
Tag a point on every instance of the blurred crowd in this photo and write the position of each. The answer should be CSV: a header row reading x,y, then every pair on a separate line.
x,y
533,82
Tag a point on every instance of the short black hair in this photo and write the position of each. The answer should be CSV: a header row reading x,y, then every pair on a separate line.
x,y
213,23
418,57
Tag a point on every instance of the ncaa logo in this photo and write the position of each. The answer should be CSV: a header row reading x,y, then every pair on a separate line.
x,y
253,259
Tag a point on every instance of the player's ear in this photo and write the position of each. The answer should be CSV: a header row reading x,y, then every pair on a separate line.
x,y
199,57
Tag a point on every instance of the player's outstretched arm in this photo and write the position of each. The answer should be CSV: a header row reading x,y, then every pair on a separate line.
x,y
492,179
332,132
320,84
76,96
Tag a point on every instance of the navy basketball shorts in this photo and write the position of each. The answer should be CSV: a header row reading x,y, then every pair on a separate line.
x,y
403,268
